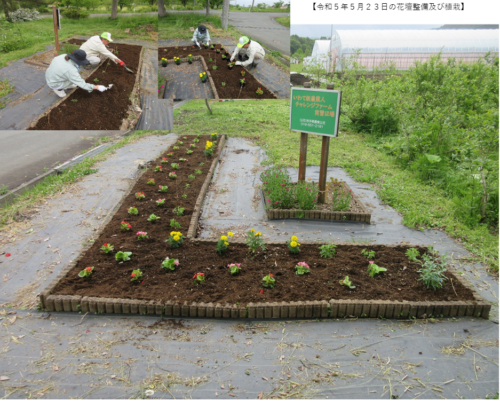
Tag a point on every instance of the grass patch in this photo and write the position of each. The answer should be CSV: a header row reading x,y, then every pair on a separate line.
x,y
296,67
285,21
176,26
5,89
52,185
266,121
27,38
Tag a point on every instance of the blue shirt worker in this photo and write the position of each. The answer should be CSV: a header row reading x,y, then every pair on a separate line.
x,y
63,73
201,35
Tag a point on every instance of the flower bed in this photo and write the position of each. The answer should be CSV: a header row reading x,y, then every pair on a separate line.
x,y
230,77
285,199
114,109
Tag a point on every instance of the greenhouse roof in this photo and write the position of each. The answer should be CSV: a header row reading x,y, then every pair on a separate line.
x,y
321,47
385,41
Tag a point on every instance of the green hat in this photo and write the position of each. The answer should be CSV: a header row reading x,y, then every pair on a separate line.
x,y
107,36
243,41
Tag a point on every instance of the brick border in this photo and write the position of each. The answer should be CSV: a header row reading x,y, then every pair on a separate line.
x,y
274,214
193,225
324,309
134,98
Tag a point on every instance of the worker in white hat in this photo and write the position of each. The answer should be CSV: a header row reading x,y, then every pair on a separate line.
x,y
249,52
96,46
63,73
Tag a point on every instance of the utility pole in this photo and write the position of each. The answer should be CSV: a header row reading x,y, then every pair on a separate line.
x,y
251,10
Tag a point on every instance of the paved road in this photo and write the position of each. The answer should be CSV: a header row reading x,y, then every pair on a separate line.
x,y
260,26
25,155
108,14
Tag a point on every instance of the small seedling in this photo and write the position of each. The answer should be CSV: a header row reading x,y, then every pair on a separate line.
x,y
412,254
327,251
179,211
214,67
96,80
347,282
174,223
198,172
370,255
74,100
184,196
191,176
223,83
187,186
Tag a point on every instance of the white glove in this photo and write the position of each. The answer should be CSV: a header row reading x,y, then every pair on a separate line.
x,y
208,43
197,44
101,88
232,58
237,63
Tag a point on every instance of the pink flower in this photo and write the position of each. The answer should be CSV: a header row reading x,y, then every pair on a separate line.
x,y
176,263
371,262
269,200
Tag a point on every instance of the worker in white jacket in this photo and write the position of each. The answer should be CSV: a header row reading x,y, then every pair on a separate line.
x,y
201,35
63,73
248,52
96,45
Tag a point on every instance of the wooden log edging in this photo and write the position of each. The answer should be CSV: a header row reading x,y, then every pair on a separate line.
x,y
40,64
275,214
193,225
324,309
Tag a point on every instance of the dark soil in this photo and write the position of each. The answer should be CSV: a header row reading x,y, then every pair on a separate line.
x,y
96,110
222,74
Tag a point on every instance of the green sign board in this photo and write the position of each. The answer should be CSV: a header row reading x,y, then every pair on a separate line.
x,y
315,111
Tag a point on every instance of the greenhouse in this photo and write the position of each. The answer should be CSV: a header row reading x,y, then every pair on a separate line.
x,y
319,54
405,47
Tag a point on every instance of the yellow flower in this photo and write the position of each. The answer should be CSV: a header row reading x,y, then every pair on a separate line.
x,y
252,230
172,233
258,234
294,238
201,75
230,234
215,133
189,55
223,238
176,238
226,243
293,244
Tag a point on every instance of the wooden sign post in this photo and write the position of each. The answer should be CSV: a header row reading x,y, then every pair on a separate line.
x,y
310,113
57,26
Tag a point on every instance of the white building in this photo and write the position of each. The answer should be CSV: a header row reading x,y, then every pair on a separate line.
x,y
404,47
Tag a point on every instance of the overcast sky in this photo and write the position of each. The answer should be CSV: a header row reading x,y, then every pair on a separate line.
x,y
248,3
317,31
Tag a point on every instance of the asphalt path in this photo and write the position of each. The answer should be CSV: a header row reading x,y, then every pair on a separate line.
x,y
26,155
262,27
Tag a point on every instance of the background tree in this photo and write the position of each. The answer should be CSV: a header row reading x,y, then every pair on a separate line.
x,y
161,8
114,9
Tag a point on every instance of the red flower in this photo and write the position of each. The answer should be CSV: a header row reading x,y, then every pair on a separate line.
x,y
270,274
142,282
262,291
201,274
196,275
123,222
105,244
7,255
129,226
132,275
89,269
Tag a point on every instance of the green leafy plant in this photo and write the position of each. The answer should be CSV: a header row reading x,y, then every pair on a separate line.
x,y
328,250
202,164
74,100
189,152
223,83
234,268
209,148
196,140
374,269
124,226
368,254
347,283
96,80
164,160
432,271
107,248
175,148
193,146
182,159
163,188
151,181
184,196
160,202
123,256
152,218
199,278
170,264
86,272
214,67
158,169
172,175
179,211
175,166
174,223
302,268
268,281
191,176
139,195
141,235
136,275
186,186
412,254
133,211
254,240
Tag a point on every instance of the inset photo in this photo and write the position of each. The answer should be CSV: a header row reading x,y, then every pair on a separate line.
x,y
217,50
78,67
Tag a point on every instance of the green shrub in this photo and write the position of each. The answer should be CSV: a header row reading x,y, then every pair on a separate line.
x,y
74,13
